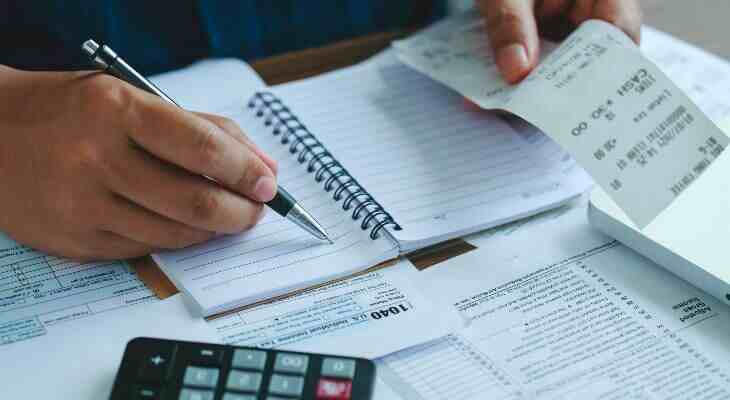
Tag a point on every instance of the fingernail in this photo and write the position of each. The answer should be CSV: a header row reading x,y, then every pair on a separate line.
x,y
265,189
512,61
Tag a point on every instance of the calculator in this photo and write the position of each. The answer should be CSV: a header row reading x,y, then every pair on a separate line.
x,y
153,369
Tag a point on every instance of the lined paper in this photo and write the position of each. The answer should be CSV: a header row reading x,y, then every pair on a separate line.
x,y
438,168
276,257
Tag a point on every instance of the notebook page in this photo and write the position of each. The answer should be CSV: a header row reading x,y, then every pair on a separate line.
x,y
276,257
438,168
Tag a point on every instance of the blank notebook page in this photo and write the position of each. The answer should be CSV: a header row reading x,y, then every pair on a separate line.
x,y
441,169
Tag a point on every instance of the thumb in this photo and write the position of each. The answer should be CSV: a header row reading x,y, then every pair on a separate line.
x,y
513,36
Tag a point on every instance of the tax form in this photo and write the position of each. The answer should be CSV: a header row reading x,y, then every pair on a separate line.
x,y
638,135
38,291
80,360
578,316
368,315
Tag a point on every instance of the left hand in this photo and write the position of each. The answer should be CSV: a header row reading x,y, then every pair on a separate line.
x,y
513,26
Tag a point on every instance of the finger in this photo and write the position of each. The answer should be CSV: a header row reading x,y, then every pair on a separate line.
x,y
513,36
110,246
625,14
582,11
553,8
235,131
179,195
141,225
201,147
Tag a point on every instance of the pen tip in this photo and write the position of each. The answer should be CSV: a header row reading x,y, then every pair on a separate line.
x,y
330,241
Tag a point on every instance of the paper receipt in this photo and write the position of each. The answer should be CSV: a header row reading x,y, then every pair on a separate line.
x,y
633,130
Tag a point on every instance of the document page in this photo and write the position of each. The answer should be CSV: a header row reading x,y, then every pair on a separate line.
x,y
276,257
440,169
560,311
638,135
369,315
39,292
705,77
80,361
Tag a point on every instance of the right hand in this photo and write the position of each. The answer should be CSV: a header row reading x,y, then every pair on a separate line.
x,y
94,168
513,26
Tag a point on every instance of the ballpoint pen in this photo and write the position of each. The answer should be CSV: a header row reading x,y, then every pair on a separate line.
x,y
283,203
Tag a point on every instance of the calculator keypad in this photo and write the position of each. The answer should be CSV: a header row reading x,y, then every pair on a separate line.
x,y
203,356
244,381
331,389
155,364
338,367
194,394
201,377
236,396
249,359
286,385
155,369
291,363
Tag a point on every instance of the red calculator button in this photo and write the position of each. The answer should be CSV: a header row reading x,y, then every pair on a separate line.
x,y
332,389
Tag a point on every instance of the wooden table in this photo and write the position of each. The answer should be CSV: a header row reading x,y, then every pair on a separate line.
x,y
701,22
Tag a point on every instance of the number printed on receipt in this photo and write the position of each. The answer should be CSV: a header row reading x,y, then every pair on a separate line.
x,y
638,135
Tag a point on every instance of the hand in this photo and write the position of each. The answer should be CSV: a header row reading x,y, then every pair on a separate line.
x,y
93,168
513,26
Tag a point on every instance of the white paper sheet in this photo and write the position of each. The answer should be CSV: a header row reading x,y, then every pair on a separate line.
x,y
210,85
366,316
440,169
80,360
705,77
39,292
639,136
558,310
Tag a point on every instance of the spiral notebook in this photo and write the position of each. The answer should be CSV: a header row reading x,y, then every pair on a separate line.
x,y
389,162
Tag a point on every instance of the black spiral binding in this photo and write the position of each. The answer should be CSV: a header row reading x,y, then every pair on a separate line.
x,y
323,164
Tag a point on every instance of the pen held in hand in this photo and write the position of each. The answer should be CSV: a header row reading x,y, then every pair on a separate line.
x,y
283,203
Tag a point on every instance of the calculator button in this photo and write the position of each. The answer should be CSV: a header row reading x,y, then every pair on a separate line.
x,y
338,368
203,355
144,392
237,396
291,363
286,385
154,366
249,359
202,377
244,381
193,394
332,389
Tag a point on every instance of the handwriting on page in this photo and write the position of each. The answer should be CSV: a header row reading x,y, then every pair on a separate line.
x,y
638,135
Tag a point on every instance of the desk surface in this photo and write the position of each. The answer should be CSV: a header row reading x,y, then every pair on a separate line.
x,y
704,25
